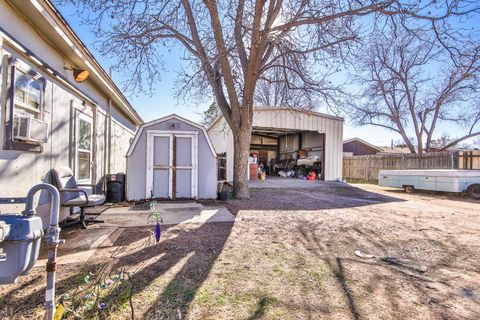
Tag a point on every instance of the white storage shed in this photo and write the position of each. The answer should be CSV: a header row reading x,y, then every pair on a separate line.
x,y
171,158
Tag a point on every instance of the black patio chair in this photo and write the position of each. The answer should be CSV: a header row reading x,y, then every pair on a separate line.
x,y
72,196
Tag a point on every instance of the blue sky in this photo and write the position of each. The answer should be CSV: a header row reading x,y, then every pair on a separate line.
x,y
163,102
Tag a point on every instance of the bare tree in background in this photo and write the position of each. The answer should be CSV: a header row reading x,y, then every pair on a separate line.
x,y
231,46
210,115
411,82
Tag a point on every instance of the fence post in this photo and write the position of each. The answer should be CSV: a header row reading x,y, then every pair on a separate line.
x,y
367,164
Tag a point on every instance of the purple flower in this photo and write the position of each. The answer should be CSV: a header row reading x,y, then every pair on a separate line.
x,y
158,232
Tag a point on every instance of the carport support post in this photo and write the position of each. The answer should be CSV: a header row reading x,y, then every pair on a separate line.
x,y
322,173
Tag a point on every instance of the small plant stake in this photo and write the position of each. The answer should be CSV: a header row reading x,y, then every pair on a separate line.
x,y
155,216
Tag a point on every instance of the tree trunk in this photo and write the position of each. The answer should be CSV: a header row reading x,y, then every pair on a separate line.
x,y
241,147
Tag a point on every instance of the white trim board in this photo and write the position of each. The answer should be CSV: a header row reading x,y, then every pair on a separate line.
x,y
170,117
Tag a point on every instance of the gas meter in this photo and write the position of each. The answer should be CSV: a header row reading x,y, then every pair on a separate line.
x,y
20,246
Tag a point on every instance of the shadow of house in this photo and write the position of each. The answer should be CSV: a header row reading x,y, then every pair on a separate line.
x,y
194,249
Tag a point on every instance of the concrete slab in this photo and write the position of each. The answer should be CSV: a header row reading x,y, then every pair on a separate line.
x,y
80,245
171,212
85,239
272,182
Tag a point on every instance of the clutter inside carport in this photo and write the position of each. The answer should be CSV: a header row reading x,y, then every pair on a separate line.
x,y
298,165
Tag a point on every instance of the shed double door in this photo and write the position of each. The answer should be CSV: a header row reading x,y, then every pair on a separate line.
x,y
172,165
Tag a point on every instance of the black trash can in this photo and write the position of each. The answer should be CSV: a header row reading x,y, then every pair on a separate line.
x,y
115,187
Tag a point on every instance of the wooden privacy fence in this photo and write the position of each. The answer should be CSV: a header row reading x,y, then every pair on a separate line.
x,y
367,167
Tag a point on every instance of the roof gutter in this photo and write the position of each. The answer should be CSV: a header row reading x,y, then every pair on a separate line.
x,y
10,40
60,25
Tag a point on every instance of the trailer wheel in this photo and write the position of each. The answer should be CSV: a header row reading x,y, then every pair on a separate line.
x,y
473,191
409,189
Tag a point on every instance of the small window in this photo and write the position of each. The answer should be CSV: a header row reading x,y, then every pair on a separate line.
x,y
25,129
84,148
221,166
28,95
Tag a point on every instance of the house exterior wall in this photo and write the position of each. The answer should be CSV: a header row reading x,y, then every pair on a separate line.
x,y
137,169
20,170
358,149
222,139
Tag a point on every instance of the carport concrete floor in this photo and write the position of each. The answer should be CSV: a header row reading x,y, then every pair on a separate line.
x,y
293,183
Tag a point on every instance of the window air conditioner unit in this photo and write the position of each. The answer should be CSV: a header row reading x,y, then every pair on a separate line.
x,y
29,129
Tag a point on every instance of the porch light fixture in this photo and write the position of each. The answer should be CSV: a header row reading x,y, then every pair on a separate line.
x,y
79,74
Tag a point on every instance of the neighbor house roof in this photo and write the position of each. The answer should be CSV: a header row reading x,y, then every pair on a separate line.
x,y
379,149
48,21
395,150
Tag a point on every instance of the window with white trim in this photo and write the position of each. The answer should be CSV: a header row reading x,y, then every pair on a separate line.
x,y
28,94
84,137
25,129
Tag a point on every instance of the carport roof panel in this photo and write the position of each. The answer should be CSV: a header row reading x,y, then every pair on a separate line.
x,y
283,119
286,118
276,132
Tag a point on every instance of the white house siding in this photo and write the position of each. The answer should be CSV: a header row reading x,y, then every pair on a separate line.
x,y
121,138
20,170
222,138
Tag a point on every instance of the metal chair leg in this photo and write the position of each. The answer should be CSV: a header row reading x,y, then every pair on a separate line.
x,y
82,218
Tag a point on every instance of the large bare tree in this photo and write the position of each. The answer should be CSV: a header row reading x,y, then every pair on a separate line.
x,y
412,82
231,46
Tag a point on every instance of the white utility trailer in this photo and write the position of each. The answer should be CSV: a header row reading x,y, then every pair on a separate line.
x,y
434,180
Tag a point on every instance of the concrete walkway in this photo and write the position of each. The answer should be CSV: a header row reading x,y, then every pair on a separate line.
x,y
80,245
171,212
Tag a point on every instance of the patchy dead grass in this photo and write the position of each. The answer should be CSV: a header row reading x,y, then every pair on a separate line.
x,y
289,255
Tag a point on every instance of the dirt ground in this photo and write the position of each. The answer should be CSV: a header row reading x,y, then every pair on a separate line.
x,y
289,255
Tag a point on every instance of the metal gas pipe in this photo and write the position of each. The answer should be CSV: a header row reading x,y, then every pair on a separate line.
x,y
52,240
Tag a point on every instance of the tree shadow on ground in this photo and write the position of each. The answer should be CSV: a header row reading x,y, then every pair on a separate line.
x,y
433,291
185,258
325,196
184,255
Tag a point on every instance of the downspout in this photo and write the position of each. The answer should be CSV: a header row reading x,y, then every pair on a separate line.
x,y
109,142
51,127
94,149
105,151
